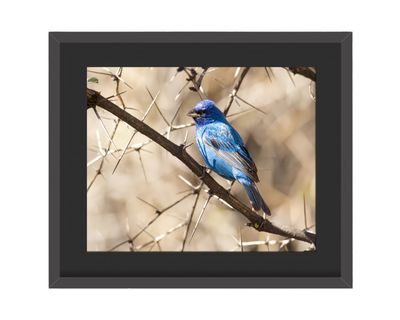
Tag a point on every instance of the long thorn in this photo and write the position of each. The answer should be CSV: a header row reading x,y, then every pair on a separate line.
x,y
200,216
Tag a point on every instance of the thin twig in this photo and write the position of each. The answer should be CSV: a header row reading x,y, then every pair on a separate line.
x,y
203,209
135,131
142,165
235,89
291,77
162,236
197,85
106,151
267,72
267,242
118,77
307,72
104,128
251,105
120,244
305,211
155,103
158,212
191,216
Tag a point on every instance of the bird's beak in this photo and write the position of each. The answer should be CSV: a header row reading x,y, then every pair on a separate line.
x,y
193,114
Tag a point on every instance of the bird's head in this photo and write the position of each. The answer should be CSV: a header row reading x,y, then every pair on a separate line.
x,y
205,112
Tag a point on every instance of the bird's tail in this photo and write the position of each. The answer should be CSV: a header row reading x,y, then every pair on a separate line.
x,y
256,199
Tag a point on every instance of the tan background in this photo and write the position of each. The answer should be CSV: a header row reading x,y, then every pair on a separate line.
x,y
281,140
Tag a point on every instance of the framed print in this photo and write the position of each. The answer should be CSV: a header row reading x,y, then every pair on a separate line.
x,y
200,159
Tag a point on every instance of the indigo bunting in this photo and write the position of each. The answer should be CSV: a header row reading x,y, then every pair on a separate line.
x,y
223,151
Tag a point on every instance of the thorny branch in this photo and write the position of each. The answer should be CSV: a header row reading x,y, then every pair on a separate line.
x,y
307,72
158,213
235,90
256,221
192,74
185,239
117,78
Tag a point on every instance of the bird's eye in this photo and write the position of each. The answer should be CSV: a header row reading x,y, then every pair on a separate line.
x,y
202,111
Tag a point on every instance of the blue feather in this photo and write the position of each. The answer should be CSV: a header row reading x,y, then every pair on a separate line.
x,y
224,152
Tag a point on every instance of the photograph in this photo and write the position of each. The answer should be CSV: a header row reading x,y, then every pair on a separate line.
x,y
196,158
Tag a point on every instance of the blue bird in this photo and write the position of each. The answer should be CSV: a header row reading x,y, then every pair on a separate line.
x,y
223,150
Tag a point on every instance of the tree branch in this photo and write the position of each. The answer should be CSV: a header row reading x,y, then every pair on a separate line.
x,y
307,72
256,221
236,89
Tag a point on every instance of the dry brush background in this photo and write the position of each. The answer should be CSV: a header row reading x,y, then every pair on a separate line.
x,y
140,198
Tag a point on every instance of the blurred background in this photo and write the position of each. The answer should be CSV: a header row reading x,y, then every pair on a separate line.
x,y
140,198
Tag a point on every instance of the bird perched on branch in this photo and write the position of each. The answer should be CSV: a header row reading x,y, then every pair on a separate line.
x,y
224,152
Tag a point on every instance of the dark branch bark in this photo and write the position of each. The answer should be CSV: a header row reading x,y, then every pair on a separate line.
x,y
256,221
307,72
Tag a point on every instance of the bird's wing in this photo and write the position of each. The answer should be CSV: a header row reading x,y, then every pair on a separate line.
x,y
228,145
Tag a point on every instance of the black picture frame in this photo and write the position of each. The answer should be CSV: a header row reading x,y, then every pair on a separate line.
x,y
69,263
